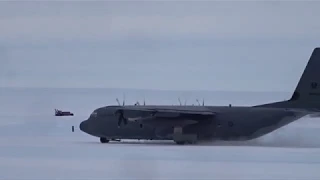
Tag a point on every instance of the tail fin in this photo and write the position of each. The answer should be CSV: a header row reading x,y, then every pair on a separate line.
x,y
307,92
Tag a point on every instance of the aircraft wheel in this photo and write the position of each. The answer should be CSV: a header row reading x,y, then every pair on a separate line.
x,y
104,140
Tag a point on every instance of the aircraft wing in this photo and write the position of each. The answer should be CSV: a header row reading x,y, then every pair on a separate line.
x,y
168,111
168,116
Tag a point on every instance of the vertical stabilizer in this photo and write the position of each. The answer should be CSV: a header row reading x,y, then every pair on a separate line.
x,y
307,92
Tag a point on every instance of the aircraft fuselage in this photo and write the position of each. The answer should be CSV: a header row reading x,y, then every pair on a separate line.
x,y
230,123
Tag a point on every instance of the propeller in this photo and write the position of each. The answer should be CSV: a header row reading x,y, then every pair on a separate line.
x,y
124,98
123,102
118,101
121,118
199,102
138,103
185,102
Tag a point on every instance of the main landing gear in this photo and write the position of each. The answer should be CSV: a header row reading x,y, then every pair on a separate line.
x,y
180,138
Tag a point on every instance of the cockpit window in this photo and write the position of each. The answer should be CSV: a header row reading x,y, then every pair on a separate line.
x,y
94,114
99,112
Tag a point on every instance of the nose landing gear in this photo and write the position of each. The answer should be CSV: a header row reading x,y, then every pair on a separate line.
x,y
104,140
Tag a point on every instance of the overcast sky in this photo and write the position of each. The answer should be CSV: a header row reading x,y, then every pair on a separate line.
x,y
259,46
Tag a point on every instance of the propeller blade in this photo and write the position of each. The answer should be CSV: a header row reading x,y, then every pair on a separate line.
x,y
179,101
121,118
198,102
118,101
119,121
124,98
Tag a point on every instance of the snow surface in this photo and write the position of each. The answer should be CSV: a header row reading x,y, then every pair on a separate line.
x,y
34,144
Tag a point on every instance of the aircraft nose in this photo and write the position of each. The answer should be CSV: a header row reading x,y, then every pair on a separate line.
x,y
84,126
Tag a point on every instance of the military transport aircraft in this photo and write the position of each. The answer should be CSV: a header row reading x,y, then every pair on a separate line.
x,y
191,124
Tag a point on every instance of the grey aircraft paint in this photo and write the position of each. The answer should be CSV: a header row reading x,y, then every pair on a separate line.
x,y
185,124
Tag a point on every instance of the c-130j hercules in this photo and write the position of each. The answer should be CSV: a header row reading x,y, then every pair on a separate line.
x,y
190,124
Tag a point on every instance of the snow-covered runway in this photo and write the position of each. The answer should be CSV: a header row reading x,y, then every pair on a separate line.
x,y
37,145
75,155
